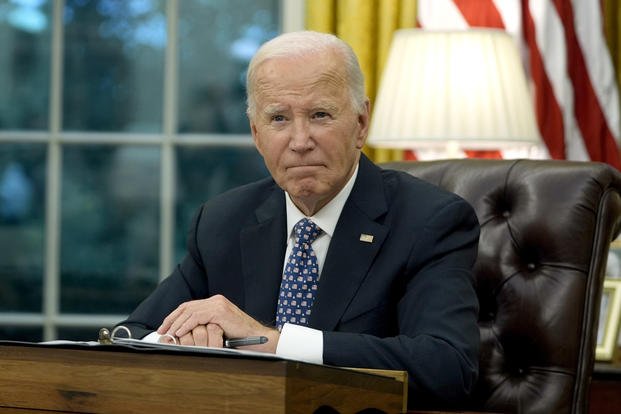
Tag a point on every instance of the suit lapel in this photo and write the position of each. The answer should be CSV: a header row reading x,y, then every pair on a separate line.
x,y
262,250
349,258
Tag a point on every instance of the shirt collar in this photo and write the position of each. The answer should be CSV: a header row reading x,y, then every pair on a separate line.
x,y
328,216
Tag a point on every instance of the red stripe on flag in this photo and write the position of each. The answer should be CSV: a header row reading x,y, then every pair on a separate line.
x,y
481,13
547,109
597,137
409,155
488,154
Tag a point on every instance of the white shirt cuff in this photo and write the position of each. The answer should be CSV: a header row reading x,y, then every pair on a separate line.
x,y
301,343
153,337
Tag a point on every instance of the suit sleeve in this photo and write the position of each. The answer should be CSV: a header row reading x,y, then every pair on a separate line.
x,y
438,337
187,282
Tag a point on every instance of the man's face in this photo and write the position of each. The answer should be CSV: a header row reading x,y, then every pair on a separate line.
x,y
305,127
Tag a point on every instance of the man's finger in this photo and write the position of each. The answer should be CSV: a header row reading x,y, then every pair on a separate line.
x,y
187,339
200,335
215,335
194,317
184,323
169,320
167,339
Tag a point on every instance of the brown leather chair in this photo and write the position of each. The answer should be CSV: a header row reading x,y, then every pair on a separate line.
x,y
545,231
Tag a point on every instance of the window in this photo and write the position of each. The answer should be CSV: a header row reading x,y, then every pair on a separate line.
x,y
117,119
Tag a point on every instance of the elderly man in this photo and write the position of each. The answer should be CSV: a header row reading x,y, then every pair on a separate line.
x,y
332,259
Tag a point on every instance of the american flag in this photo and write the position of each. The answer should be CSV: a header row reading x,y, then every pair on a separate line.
x,y
567,59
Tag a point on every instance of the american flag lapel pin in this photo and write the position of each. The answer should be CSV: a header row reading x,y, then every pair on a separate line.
x,y
367,238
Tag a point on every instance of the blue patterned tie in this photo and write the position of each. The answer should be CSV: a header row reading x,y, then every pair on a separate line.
x,y
299,280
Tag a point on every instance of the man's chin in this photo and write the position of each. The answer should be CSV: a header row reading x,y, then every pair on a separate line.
x,y
309,195
303,191
304,188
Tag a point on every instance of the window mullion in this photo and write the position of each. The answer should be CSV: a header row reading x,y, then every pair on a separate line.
x,y
167,180
292,15
51,282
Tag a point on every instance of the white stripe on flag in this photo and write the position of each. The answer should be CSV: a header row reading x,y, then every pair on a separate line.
x,y
440,15
551,43
599,64
510,11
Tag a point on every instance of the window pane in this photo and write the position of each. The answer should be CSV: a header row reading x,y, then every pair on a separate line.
x,y
25,63
217,38
22,202
110,227
114,60
205,172
19,333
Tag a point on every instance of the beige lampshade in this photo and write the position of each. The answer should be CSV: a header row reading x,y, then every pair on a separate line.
x,y
464,89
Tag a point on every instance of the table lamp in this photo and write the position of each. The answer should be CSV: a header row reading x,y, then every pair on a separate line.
x,y
446,91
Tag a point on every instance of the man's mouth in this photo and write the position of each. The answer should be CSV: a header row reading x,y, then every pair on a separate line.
x,y
304,166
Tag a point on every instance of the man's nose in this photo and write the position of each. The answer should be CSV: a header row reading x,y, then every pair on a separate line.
x,y
301,137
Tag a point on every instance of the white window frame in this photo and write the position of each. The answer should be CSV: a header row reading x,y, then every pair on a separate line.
x,y
291,19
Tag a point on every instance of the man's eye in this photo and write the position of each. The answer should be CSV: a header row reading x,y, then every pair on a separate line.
x,y
278,118
321,115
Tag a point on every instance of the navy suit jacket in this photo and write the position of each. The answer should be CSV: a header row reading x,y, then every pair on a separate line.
x,y
403,301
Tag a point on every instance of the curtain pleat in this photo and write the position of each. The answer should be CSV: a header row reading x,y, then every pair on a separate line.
x,y
321,15
357,25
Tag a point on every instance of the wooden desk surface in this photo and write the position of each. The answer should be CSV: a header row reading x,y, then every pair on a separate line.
x,y
112,380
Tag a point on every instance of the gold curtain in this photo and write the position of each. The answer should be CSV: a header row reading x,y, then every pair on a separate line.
x,y
367,25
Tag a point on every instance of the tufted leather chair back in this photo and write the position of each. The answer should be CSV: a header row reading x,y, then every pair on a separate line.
x,y
545,231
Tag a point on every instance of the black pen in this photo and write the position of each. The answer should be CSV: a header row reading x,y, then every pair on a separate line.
x,y
250,340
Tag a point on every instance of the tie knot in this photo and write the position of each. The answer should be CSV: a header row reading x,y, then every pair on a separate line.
x,y
307,231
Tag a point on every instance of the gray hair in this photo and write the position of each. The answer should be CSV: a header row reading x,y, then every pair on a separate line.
x,y
294,44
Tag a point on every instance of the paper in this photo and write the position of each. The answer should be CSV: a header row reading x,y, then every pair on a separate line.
x,y
138,344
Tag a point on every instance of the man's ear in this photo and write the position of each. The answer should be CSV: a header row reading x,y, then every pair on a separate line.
x,y
363,123
255,136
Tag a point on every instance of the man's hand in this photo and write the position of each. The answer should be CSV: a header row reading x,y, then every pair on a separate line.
x,y
202,335
206,322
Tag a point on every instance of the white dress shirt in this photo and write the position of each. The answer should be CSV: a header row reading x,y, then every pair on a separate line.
x,y
300,342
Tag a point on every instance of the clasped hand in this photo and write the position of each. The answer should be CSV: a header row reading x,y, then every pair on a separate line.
x,y
207,322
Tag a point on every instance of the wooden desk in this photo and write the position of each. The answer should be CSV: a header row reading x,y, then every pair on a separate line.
x,y
112,380
605,394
